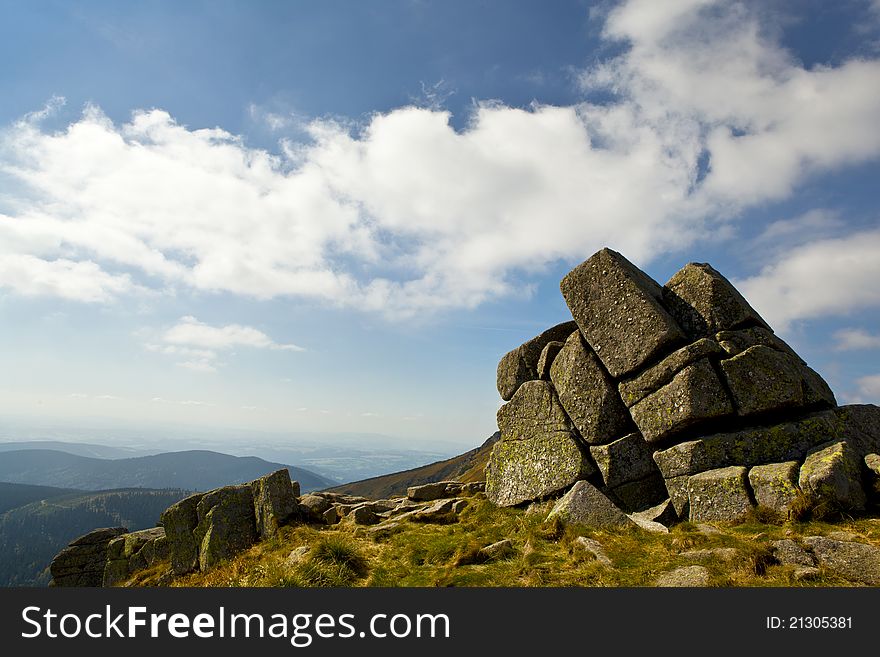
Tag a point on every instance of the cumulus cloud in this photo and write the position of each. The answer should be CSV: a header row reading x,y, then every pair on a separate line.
x,y
831,276
405,215
198,344
852,339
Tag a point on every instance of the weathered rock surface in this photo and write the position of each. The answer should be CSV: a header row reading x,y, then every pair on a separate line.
x,y
227,524
831,477
872,462
82,562
694,395
857,562
587,393
720,494
538,453
736,342
690,576
586,505
498,550
624,460
663,513
790,553
440,489
594,547
762,379
130,553
521,364
548,354
274,501
775,486
313,507
180,521
721,553
704,302
617,308
787,441
640,386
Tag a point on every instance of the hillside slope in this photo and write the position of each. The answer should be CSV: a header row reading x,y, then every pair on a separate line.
x,y
13,496
464,467
32,534
191,470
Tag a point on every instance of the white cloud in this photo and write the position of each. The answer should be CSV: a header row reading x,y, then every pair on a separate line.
x,y
869,389
851,339
834,276
408,215
190,331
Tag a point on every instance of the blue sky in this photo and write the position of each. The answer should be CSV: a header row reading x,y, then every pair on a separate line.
x,y
337,216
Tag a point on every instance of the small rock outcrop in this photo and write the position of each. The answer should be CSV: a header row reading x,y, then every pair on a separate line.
x,y
678,393
82,562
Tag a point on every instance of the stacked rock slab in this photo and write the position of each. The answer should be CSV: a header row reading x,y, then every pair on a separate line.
x,y
679,392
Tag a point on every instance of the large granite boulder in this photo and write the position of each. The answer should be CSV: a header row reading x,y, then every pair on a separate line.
x,y
831,477
587,393
704,302
275,501
521,364
82,562
857,562
619,312
721,494
775,486
538,453
586,505
227,524
693,396
180,521
629,472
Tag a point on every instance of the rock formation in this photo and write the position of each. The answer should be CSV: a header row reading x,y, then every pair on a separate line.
x,y
680,393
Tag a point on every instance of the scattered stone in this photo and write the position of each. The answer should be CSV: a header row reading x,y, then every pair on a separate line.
x,y
384,530
363,515
551,349
708,530
496,551
775,486
441,511
704,302
538,453
521,364
663,513
594,547
274,501
438,489
721,553
872,462
694,395
617,308
857,562
790,553
473,488
842,536
330,516
831,477
805,573
586,505
458,506
640,386
649,525
692,576
82,562
719,495
180,521
587,393
312,507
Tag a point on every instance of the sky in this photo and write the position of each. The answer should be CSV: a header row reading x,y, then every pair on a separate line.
x,y
337,216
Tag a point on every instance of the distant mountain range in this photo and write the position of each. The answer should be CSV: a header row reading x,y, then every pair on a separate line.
x,y
191,470
32,533
80,449
464,467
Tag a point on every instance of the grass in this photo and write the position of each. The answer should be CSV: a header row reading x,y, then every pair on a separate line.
x,y
545,554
